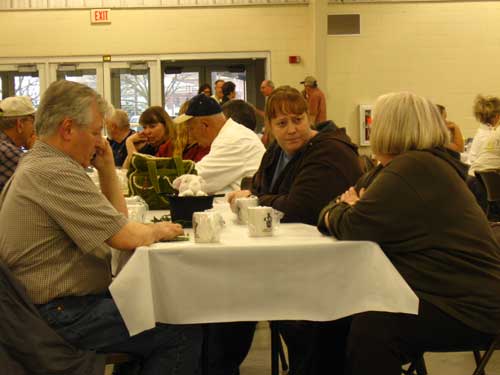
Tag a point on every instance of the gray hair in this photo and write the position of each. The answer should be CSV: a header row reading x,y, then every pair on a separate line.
x,y
120,117
66,99
404,121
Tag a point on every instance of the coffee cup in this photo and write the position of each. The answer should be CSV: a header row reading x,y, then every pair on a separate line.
x,y
242,205
261,221
207,226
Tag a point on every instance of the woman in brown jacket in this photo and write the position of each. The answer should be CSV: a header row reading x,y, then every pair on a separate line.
x,y
417,207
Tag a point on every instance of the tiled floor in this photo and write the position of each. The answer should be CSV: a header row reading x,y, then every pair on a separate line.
x,y
258,362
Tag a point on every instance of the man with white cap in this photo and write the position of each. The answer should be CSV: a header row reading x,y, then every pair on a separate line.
x,y
16,131
315,99
235,150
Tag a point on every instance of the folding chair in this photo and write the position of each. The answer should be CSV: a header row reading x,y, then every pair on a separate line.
x,y
418,367
491,182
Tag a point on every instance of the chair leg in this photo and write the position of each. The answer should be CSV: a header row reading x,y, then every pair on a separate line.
x,y
277,352
477,359
274,350
417,367
284,364
420,366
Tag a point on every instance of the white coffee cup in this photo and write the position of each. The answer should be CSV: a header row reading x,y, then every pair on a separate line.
x,y
261,221
242,205
207,226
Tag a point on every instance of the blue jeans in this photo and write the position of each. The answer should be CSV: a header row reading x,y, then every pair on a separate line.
x,y
94,323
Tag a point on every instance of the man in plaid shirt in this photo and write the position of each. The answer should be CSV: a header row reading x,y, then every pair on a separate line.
x,y
16,131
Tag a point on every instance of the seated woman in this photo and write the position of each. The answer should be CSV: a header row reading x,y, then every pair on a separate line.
x,y
417,207
457,139
304,168
299,174
156,136
485,149
487,112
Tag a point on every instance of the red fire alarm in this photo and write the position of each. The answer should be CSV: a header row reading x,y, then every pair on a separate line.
x,y
294,59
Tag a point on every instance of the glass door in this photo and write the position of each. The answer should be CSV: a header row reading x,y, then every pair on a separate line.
x,y
180,83
89,74
17,80
236,73
131,88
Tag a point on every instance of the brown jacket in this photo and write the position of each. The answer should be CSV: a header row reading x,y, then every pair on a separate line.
x,y
421,213
325,167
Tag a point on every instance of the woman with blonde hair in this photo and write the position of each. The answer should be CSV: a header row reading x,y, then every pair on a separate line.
x,y
417,207
487,111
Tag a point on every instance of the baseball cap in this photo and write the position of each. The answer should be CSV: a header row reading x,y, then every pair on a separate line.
x,y
309,81
200,105
16,106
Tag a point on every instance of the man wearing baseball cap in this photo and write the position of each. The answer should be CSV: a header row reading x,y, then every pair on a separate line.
x,y
16,131
235,151
315,99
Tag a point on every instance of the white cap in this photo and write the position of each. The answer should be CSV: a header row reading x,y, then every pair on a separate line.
x,y
16,106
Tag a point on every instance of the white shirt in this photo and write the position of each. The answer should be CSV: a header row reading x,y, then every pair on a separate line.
x,y
489,155
235,153
482,135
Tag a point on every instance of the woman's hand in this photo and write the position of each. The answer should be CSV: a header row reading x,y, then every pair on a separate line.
x,y
351,196
135,142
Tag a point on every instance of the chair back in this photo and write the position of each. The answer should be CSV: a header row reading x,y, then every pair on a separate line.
x,y
27,340
491,181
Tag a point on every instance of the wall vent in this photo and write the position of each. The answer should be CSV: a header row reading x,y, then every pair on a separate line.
x,y
344,24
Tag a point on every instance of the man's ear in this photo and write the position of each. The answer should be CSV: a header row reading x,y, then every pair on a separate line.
x,y
66,129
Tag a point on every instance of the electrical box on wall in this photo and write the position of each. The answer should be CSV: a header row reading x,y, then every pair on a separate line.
x,y
365,124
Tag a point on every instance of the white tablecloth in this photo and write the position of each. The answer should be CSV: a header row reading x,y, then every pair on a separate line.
x,y
298,274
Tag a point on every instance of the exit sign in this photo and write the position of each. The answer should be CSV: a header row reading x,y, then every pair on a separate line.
x,y
100,16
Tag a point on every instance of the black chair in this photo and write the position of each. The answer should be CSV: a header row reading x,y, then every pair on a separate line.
x,y
491,182
45,351
418,367
277,352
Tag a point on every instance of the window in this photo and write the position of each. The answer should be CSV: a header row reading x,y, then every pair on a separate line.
x,y
85,76
20,83
130,89
178,88
239,79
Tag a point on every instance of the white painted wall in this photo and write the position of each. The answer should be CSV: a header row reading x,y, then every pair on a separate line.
x,y
281,30
447,52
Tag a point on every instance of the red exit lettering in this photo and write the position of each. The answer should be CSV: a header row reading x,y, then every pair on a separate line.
x,y
101,15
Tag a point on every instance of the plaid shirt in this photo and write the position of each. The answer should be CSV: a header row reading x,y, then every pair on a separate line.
x,y
9,157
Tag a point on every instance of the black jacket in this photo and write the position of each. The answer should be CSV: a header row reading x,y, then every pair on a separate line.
x,y
28,345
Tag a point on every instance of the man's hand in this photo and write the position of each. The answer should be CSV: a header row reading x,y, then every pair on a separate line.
x,y
168,231
232,196
103,158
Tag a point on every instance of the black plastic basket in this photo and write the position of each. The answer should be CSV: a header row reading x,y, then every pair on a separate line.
x,y
182,208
